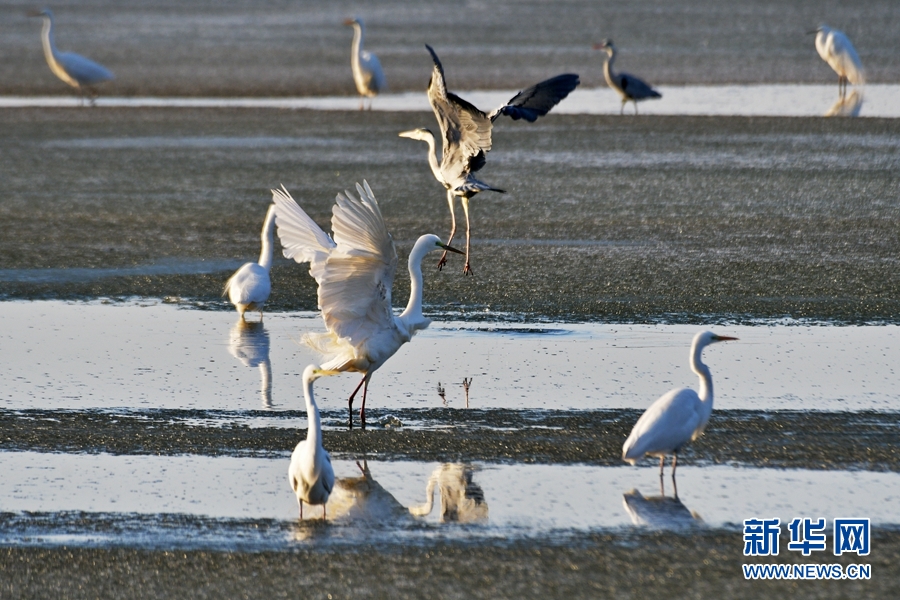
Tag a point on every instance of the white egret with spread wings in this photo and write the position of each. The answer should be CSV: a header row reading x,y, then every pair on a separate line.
x,y
466,136
355,272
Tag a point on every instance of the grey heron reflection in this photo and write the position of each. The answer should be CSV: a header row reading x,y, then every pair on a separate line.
x,y
462,500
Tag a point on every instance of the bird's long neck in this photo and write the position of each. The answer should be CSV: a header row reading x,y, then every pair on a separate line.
x,y
607,68
50,52
265,254
314,429
358,34
706,385
433,160
412,315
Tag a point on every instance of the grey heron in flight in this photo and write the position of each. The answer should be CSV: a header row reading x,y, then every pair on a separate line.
x,y
836,49
81,73
466,135
367,72
355,271
628,86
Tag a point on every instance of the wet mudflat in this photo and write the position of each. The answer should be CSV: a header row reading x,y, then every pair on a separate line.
x,y
605,218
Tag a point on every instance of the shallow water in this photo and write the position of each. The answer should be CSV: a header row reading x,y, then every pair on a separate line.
x,y
154,355
784,100
390,503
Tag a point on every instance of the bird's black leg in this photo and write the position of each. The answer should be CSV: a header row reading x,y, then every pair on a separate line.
x,y
467,270
362,409
350,403
674,464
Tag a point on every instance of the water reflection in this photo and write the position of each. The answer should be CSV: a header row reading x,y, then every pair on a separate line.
x,y
249,343
462,500
846,106
659,512
363,499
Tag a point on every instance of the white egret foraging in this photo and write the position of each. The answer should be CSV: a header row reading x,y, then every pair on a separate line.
x,y
310,474
367,72
835,48
355,273
79,72
628,86
466,136
250,286
678,417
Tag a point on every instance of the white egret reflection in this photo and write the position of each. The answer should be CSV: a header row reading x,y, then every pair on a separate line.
x,y
249,343
659,512
848,105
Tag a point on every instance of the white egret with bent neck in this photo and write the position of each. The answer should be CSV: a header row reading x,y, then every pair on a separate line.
x,y
250,286
355,272
836,49
678,417
79,72
310,474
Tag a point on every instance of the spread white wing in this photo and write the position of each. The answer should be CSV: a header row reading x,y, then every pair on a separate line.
x,y
355,270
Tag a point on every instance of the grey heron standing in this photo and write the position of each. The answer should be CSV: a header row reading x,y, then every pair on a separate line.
x,y
367,73
466,136
836,49
81,73
628,86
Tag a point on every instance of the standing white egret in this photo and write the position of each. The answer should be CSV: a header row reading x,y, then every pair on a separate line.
x,y
628,86
355,272
250,286
835,48
81,73
678,417
466,135
367,72
310,474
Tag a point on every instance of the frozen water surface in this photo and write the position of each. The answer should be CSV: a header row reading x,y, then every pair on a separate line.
x,y
154,355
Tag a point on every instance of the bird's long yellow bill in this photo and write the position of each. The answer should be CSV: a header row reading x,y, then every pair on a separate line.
x,y
450,248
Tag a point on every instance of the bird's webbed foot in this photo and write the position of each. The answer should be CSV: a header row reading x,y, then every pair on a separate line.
x,y
467,270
